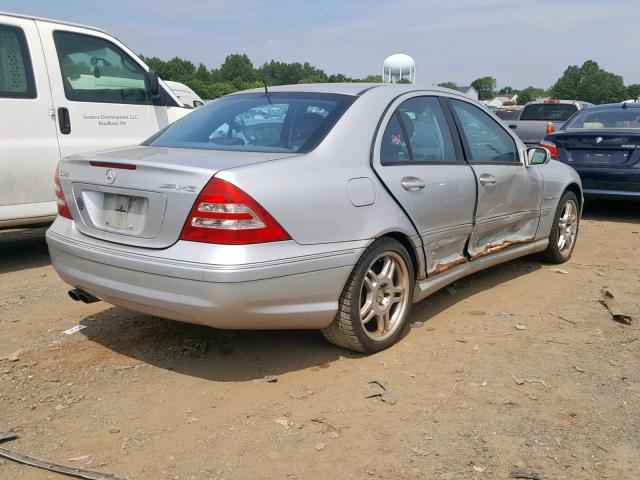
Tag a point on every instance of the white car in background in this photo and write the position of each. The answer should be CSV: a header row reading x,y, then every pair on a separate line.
x,y
67,89
186,95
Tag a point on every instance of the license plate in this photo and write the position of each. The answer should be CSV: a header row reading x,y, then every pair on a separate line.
x,y
124,213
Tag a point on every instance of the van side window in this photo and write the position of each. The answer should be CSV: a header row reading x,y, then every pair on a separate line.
x,y
95,70
16,73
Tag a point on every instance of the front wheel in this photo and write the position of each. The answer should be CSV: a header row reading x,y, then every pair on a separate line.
x,y
564,230
376,301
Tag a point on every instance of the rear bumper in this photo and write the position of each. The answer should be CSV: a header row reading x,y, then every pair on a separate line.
x,y
599,182
295,290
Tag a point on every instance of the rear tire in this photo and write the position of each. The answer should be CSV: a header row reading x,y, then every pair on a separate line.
x,y
376,300
564,231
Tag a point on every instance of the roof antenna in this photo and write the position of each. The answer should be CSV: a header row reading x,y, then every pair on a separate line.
x,y
266,90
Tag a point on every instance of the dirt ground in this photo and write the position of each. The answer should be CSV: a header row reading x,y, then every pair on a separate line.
x,y
518,368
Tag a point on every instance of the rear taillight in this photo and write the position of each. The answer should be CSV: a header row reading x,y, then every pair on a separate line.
x,y
550,128
225,214
553,150
63,207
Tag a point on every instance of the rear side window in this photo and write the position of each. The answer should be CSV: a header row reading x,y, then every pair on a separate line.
x,y
394,147
487,140
16,73
417,132
255,122
550,112
95,70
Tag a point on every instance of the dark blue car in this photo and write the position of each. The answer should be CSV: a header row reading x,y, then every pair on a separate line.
x,y
603,144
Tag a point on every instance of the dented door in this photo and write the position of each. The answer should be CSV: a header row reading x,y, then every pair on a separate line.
x,y
509,193
423,166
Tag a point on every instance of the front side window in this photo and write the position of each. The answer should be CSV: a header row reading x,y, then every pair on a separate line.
x,y
487,140
95,70
16,74
277,122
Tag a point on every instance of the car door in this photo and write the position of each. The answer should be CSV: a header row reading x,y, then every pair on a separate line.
x,y
28,144
421,162
509,193
100,91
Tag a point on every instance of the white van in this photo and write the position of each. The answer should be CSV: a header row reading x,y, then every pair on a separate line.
x,y
67,89
185,94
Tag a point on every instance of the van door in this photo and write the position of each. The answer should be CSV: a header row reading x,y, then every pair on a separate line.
x,y
28,145
421,162
509,193
100,91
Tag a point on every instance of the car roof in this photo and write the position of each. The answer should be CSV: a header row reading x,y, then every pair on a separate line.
x,y
355,89
608,106
559,102
41,19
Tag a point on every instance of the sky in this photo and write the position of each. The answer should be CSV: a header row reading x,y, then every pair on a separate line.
x,y
520,42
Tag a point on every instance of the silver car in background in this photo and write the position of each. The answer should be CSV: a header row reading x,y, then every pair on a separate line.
x,y
331,207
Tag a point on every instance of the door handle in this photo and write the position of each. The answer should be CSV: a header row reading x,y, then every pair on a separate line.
x,y
64,121
513,126
412,184
487,180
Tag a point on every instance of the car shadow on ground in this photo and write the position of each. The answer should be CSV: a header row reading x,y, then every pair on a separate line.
x,y
23,249
232,356
626,211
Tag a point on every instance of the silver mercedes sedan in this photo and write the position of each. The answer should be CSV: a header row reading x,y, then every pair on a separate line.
x,y
331,207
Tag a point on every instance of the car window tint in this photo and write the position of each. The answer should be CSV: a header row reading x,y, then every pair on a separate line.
x,y
394,143
487,140
95,70
426,126
551,112
615,118
278,122
16,76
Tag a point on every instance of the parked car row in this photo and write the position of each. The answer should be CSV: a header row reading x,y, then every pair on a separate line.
x,y
539,118
328,206
602,143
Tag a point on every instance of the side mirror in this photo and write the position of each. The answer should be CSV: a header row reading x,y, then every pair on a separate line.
x,y
154,83
538,156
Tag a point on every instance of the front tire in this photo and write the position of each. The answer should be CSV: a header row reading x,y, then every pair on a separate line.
x,y
376,300
564,231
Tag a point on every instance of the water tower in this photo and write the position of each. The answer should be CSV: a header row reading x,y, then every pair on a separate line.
x,y
399,67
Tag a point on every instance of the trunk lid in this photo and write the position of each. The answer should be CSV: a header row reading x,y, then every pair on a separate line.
x,y
142,196
598,149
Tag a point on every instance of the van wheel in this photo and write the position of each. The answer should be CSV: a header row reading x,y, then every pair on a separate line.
x,y
564,231
376,301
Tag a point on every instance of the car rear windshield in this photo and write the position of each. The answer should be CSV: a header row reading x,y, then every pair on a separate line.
x,y
614,118
508,114
550,112
257,122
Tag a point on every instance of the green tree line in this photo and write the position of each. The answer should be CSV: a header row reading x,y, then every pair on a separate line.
x,y
238,73
588,83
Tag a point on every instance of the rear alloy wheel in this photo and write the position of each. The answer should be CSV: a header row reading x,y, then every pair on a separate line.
x,y
376,300
564,231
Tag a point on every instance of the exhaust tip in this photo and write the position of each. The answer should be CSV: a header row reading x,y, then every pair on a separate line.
x,y
82,296
74,294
